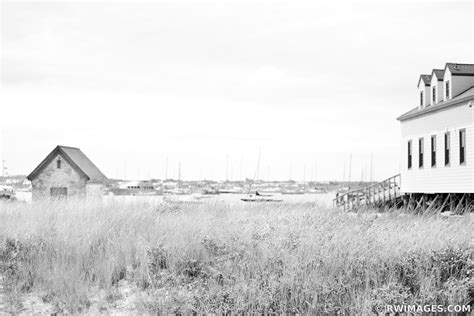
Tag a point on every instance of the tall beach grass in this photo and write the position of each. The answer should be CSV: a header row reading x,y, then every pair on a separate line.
x,y
216,258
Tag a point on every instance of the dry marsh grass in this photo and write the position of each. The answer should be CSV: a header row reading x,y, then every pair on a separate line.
x,y
216,258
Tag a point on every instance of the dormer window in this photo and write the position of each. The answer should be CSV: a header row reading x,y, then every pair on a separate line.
x,y
58,164
434,94
447,90
421,98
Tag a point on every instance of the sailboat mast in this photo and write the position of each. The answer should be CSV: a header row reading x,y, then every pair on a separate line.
x,y
315,172
227,168
371,168
350,166
344,173
241,162
124,169
258,165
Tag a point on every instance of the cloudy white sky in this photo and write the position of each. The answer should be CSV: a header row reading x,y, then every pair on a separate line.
x,y
306,83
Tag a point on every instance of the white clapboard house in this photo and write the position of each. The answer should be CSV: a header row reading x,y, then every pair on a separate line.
x,y
437,153
437,150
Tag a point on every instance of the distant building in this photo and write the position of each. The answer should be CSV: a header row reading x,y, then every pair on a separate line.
x,y
137,185
67,172
438,135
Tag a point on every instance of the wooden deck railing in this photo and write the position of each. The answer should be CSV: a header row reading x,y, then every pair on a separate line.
x,y
381,193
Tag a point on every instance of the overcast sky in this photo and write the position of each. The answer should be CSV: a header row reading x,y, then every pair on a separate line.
x,y
205,82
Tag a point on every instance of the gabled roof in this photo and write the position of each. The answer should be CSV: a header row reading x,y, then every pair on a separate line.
x,y
460,69
426,80
466,95
76,158
439,73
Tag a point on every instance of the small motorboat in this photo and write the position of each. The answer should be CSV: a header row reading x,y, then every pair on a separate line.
x,y
260,198
261,194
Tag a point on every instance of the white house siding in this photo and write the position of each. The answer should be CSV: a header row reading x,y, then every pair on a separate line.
x,y
448,77
455,178
461,83
439,89
426,94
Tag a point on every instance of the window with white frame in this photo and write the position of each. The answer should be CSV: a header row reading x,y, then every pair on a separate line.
x,y
410,155
421,150
433,151
462,146
447,148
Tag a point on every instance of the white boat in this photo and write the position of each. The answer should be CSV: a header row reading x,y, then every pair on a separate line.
x,y
257,197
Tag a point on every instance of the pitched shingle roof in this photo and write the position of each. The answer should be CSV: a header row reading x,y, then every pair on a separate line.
x,y
426,79
461,69
460,98
439,73
77,159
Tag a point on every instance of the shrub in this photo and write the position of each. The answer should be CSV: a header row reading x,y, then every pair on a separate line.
x,y
391,294
452,262
16,259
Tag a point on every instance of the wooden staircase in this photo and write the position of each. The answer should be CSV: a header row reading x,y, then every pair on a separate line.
x,y
383,194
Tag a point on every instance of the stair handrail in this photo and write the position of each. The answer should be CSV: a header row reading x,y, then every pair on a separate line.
x,y
340,197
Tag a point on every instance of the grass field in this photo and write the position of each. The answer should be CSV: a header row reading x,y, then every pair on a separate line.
x,y
78,257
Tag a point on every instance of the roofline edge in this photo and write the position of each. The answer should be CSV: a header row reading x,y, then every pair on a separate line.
x,y
401,118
